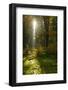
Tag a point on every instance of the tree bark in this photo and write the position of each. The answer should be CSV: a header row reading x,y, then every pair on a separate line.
x,y
46,25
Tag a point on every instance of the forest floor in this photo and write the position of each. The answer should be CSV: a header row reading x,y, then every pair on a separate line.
x,y
44,64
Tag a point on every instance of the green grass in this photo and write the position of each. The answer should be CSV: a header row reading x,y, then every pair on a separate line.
x,y
43,64
49,65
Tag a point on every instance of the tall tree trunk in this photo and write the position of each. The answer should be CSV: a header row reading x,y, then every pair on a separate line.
x,y
46,25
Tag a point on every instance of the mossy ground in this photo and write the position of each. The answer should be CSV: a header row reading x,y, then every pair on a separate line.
x,y
43,64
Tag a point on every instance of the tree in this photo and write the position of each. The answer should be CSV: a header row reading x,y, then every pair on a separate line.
x,y
46,25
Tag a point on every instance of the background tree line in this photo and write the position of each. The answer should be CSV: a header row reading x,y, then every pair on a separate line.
x,y
46,33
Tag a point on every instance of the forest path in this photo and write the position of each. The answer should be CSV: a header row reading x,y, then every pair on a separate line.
x,y
35,64
31,64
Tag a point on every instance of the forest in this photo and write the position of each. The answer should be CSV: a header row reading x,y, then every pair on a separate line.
x,y
39,44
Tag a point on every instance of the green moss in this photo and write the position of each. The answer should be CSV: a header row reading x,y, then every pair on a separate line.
x,y
43,64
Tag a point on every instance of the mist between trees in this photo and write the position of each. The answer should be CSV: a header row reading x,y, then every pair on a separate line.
x,y
39,44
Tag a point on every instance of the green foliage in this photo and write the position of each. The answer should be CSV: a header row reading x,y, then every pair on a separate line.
x,y
39,64
40,57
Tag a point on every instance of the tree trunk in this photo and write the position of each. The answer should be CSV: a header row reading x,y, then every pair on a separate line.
x,y
46,25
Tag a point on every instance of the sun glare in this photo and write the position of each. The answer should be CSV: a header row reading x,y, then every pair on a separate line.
x,y
34,28
34,31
